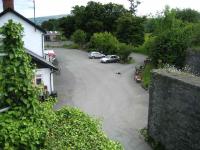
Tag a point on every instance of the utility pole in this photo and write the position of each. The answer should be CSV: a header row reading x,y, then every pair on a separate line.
x,y
34,10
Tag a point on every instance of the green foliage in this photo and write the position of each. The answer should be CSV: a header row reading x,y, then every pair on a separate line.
x,y
130,29
20,131
108,44
95,17
79,37
195,38
50,25
67,25
172,38
124,51
16,90
104,42
74,46
170,48
76,130
146,75
146,46
154,144
187,15
167,22
150,25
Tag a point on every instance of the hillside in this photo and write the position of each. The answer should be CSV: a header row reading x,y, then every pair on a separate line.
x,y
40,20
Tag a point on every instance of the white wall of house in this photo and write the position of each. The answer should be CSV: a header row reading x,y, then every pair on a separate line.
x,y
47,78
33,38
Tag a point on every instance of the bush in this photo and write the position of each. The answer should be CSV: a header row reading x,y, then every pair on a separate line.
x,y
104,42
77,131
79,37
20,131
124,51
146,75
146,47
170,48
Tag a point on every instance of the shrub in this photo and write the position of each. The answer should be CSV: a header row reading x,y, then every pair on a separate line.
x,y
74,46
104,42
77,130
146,75
20,131
146,47
154,144
170,48
79,37
124,51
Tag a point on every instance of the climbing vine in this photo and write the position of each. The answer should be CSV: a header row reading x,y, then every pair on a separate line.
x,y
16,73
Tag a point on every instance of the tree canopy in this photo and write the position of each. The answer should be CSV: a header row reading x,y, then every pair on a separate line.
x,y
130,29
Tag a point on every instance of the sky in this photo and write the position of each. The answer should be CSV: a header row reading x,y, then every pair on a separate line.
x,y
58,7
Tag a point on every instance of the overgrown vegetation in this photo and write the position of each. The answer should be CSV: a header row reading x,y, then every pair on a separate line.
x,y
79,37
154,145
75,130
30,124
146,75
104,42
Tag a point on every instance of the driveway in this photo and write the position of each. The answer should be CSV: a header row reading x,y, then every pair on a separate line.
x,y
96,89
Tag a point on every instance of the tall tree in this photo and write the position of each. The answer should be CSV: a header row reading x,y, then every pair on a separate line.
x,y
188,15
67,25
134,4
130,29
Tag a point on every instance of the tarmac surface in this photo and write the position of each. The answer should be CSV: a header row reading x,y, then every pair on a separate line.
x,y
98,90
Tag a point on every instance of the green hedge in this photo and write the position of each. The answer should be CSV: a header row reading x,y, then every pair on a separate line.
x,y
108,44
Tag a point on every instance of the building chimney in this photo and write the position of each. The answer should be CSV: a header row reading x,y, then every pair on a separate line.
x,y
8,4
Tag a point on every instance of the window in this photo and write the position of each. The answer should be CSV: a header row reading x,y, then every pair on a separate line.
x,y
38,79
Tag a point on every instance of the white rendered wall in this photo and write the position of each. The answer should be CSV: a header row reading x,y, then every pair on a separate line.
x,y
45,75
33,38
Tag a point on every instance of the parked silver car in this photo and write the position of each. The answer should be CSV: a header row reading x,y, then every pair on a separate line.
x,y
93,55
110,59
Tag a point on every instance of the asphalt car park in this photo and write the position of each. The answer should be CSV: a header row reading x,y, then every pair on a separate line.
x,y
108,92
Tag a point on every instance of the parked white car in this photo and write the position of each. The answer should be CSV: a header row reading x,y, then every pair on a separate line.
x,y
93,55
110,59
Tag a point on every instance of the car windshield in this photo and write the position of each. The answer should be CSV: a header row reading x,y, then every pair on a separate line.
x,y
108,56
95,53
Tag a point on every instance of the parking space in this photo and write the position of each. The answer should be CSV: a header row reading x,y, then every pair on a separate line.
x,y
101,91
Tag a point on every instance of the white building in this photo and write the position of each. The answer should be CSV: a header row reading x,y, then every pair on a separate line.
x,y
33,42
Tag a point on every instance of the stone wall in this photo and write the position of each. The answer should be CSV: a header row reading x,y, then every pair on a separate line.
x,y
193,61
174,110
